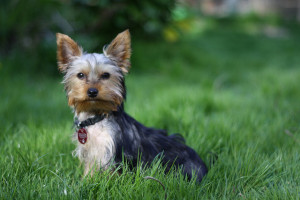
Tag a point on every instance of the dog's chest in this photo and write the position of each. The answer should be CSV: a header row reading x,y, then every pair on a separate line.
x,y
100,145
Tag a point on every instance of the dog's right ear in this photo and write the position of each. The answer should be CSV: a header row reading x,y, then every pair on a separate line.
x,y
67,49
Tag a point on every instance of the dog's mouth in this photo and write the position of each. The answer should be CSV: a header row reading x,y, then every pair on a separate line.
x,y
98,101
93,100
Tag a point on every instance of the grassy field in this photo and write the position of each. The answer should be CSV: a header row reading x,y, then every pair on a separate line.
x,y
232,93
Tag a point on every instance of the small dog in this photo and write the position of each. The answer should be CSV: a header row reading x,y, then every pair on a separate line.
x,y
95,88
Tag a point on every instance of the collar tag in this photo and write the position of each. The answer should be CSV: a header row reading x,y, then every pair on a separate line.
x,y
82,135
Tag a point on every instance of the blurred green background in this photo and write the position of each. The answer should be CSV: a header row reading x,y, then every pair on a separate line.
x,y
223,73
28,27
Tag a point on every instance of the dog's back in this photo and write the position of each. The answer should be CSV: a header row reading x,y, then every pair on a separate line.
x,y
137,140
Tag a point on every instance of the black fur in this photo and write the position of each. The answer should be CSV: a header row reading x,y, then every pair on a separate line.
x,y
137,141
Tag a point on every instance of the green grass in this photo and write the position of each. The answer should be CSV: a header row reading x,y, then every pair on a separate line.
x,y
231,94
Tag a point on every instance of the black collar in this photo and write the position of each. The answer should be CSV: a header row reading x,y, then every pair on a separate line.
x,y
89,121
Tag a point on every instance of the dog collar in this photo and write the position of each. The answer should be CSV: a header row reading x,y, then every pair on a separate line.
x,y
89,121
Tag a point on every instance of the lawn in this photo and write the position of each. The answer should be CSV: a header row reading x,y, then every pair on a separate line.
x,y
232,93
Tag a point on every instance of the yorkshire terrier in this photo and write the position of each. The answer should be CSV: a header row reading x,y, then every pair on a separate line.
x,y
105,134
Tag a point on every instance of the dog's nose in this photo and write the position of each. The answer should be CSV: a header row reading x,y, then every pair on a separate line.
x,y
92,92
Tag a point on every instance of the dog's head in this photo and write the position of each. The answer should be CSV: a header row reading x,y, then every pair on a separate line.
x,y
94,82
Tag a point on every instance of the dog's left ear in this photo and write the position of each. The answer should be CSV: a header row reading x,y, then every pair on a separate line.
x,y
119,50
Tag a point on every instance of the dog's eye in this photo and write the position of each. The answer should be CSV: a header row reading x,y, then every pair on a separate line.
x,y
80,75
105,75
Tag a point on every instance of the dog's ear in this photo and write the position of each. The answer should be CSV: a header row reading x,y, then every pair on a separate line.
x,y
67,49
119,50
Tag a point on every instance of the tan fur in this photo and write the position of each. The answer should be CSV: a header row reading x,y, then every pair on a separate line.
x,y
106,100
66,49
95,106
119,50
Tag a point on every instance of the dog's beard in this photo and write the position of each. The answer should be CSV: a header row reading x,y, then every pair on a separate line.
x,y
96,106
